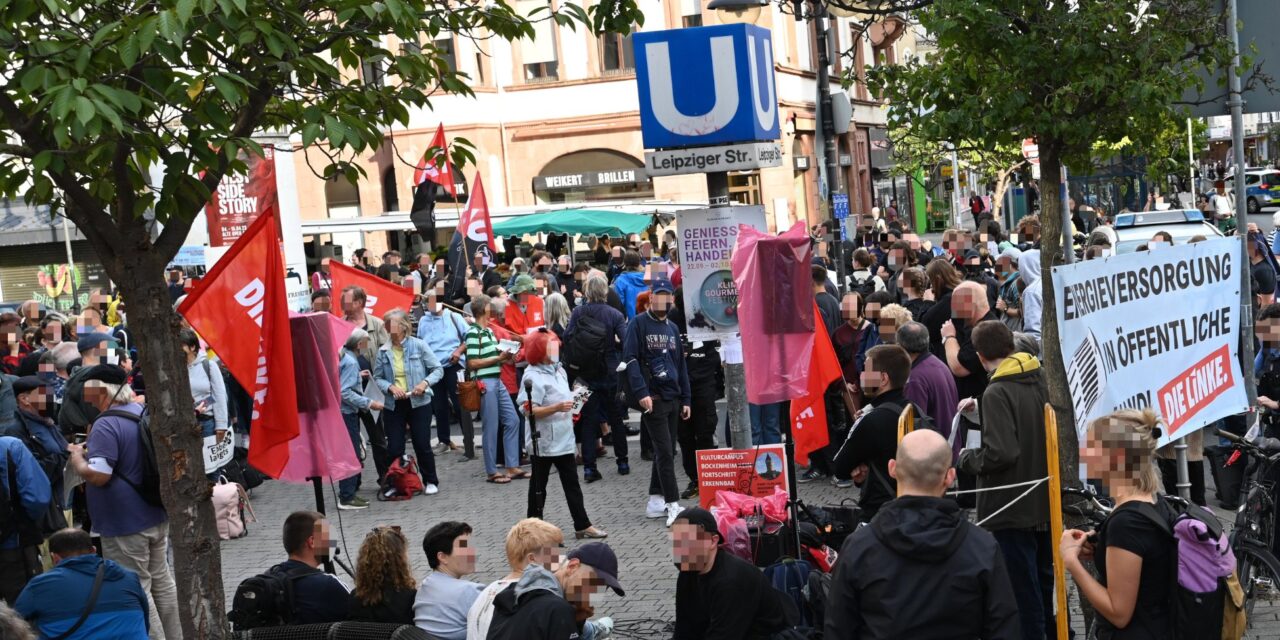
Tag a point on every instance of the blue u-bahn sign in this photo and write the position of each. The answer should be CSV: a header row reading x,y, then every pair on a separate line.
x,y
706,85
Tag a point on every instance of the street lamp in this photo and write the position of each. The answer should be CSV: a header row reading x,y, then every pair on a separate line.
x,y
737,11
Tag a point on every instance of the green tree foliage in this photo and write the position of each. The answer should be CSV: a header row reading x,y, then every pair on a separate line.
x,y
1067,73
124,115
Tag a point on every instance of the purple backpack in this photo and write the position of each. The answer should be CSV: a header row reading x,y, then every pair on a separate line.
x,y
1204,561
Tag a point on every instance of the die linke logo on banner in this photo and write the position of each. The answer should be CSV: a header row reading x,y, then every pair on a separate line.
x,y
706,86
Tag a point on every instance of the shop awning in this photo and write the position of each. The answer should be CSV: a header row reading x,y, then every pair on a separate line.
x,y
575,221
22,224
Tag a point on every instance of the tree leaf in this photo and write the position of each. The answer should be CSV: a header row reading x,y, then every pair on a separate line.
x,y
195,88
84,110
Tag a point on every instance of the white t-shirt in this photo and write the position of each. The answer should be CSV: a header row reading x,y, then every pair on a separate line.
x,y
481,613
1221,205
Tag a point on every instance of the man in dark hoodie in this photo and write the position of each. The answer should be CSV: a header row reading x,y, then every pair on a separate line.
x,y
1013,452
547,605
871,443
920,570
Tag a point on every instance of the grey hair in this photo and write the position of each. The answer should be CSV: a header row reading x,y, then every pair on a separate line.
x,y
1026,343
914,337
556,311
596,289
12,626
396,316
121,394
64,354
357,336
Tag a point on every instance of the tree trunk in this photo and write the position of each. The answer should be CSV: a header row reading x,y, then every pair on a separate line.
x,y
197,560
1055,371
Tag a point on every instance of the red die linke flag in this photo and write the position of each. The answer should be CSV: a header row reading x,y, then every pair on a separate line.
x,y
432,170
809,412
380,296
473,233
241,309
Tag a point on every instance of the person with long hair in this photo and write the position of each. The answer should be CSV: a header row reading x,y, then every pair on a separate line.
x,y
943,279
385,586
556,313
546,398
1131,553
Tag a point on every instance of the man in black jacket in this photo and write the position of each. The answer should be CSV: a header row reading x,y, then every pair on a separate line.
x,y
920,570
544,605
872,441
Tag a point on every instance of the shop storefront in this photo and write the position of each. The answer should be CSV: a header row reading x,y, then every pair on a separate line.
x,y
592,176
33,260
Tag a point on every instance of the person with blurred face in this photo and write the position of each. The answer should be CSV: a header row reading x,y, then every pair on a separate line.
x,y
654,357
1267,367
968,308
405,369
321,301
34,425
444,598
551,604
866,451
353,311
322,279
445,333
719,594
482,269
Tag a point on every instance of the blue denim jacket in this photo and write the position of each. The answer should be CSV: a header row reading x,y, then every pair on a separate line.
x,y
419,364
353,400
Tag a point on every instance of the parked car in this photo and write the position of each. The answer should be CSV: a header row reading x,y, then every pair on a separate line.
x,y
1130,230
1262,188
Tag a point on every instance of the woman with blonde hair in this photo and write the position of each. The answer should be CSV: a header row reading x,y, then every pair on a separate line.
x,y
1132,553
556,313
531,540
385,586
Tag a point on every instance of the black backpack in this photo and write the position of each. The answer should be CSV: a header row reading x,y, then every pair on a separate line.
x,y
862,286
583,355
922,419
149,488
266,600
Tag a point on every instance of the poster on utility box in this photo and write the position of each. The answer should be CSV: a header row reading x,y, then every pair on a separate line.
x,y
707,237
1154,329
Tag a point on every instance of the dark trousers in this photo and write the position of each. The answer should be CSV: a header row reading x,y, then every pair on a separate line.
x,y
699,431
444,404
837,431
1195,473
377,433
663,424
17,567
1028,556
403,418
347,487
567,469
602,406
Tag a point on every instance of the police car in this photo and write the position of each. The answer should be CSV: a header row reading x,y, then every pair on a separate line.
x,y
1130,230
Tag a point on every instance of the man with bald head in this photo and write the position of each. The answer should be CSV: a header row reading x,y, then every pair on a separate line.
x,y
920,566
969,306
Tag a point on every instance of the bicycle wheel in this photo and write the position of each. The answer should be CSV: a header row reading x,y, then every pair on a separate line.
x,y
1259,573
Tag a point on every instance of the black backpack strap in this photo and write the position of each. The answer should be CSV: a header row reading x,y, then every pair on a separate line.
x,y
137,418
89,604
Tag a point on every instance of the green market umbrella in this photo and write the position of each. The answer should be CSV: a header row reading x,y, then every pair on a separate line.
x,y
576,222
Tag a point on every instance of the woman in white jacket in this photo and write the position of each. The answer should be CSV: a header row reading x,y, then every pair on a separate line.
x,y
546,399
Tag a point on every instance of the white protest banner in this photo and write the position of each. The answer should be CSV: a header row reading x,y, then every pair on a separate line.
x,y
218,454
706,243
1154,329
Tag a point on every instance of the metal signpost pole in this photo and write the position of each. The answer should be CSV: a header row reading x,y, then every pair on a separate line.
x,y
735,376
1236,102
831,157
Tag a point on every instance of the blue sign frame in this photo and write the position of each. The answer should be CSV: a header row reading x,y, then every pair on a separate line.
x,y
706,85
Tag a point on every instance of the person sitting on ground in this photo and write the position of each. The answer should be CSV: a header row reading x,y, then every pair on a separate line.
x,y
55,602
719,594
888,576
385,586
317,596
530,541
444,598
556,605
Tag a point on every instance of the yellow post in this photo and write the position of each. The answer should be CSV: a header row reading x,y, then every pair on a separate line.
x,y
906,421
1055,516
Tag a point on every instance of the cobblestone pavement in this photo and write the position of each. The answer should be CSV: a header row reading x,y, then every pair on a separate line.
x,y
615,504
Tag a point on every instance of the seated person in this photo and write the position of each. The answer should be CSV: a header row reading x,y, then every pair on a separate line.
x,y
444,598
317,596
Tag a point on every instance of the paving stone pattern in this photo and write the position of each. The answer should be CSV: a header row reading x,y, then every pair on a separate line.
x,y
615,504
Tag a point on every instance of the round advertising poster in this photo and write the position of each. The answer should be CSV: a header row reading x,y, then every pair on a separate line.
x,y
719,299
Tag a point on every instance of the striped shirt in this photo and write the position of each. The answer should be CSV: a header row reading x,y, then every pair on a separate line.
x,y
482,344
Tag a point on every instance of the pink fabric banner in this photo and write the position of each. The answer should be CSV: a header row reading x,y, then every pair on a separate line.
x,y
775,311
323,447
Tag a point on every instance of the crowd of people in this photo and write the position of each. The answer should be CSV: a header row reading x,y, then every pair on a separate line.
x,y
549,355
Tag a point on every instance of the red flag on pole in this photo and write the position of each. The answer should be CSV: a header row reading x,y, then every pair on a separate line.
x,y
434,165
809,413
241,310
474,231
380,296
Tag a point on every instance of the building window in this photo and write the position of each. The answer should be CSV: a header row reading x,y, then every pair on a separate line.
x,y
444,48
372,72
691,13
859,66
691,21
536,71
390,195
410,46
744,188
617,54
539,53
479,68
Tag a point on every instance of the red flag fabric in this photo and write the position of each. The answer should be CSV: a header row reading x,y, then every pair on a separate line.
x,y
241,310
380,296
809,413
473,232
429,170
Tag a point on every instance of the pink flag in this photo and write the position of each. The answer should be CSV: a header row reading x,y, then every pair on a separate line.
x,y
323,448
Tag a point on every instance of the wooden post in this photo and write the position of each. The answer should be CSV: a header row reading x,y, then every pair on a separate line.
x,y
906,421
1055,516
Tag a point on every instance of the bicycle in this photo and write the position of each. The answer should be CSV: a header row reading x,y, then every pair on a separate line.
x,y
1253,532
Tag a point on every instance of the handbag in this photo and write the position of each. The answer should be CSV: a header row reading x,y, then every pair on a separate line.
x,y
469,394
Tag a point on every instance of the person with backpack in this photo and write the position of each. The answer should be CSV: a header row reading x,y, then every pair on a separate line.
x,y
889,574
718,594
873,440
295,591
1013,453
592,350
862,280
445,332
208,393
1133,553
25,496
84,597
123,504
852,340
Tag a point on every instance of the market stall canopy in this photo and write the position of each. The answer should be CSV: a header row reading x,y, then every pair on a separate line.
x,y
575,221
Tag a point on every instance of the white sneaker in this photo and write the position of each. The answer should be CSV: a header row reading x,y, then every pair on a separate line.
x,y
431,490
656,508
673,512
